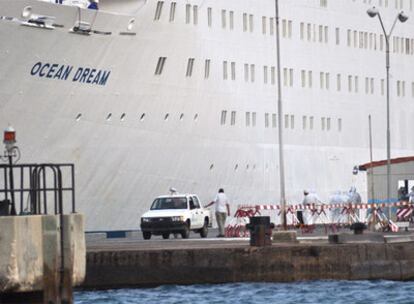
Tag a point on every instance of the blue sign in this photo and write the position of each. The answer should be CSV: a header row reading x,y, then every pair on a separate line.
x,y
68,72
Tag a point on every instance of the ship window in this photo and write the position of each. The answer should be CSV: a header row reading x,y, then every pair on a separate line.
x,y
233,71
339,124
310,78
323,123
78,117
382,86
302,31
292,121
356,84
284,28
190,65
326,33
160,65
209,16
337,36
304,120
254,119
322,75
172,11
207,69
231,16
247,167
349,83
291,77
252,73
187,13
348,37
320,33
327,80
223,117
273,75
233,118
251,23
328,124
311,122
271,26
286,121
195,117
122,118
225,70
338,82
236,167
366,85
246,72
109,116
266,120
244,22
264,25
158,10
274,118
247,119
412,89
181,116
142,117
290,29
303,78
195,14
285,76
166,116
265,74
223,18
211,166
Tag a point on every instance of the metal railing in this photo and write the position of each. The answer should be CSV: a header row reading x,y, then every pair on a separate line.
x,y
37,188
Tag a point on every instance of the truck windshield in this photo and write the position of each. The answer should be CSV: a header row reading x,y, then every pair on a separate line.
x,y
169,203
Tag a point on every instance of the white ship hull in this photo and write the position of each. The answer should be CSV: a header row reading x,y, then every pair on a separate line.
x,y
122,163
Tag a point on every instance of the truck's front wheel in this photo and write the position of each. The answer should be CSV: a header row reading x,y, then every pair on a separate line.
x,y
204,230
185,234
146,235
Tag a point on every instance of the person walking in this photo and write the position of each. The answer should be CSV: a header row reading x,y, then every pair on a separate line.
x,y
222,210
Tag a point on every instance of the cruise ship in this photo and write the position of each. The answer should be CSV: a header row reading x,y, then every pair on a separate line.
x,y
144,95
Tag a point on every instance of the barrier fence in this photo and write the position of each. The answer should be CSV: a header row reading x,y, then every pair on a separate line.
x,y
330,216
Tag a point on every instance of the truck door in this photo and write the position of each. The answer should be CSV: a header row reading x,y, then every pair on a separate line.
x,y
196,214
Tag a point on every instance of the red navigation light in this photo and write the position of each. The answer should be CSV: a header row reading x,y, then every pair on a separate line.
x,y
9,136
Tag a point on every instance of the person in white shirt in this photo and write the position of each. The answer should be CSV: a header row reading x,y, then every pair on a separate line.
x,y
222,210
411,195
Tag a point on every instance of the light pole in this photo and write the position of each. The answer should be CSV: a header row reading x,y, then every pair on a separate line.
x,y
280,117
372,12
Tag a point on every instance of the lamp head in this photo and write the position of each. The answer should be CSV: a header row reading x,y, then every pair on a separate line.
x,y
402,17
372,12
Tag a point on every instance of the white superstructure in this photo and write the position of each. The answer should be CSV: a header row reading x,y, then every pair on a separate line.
x,y
152,94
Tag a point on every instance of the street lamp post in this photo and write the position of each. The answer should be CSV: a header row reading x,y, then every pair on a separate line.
x,y
372,12
280,116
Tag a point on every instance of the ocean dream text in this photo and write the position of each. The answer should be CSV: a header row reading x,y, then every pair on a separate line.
x,y
68,72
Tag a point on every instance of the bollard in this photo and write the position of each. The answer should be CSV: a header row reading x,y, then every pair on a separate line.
x,y
260,231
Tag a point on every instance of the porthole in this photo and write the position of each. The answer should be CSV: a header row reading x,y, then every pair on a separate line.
x,y
166,116
142,117
78,117
123,116
108,118
182,116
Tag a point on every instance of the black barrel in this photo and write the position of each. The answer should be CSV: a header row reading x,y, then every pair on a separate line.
x,y
4,207
260,231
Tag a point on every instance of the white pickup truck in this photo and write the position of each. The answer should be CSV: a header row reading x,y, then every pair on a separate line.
x,y
177,214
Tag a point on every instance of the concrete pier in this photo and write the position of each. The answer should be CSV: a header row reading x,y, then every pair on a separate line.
x,y
221,262
30,256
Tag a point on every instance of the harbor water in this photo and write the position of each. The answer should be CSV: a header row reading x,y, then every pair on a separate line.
x,y
320,292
